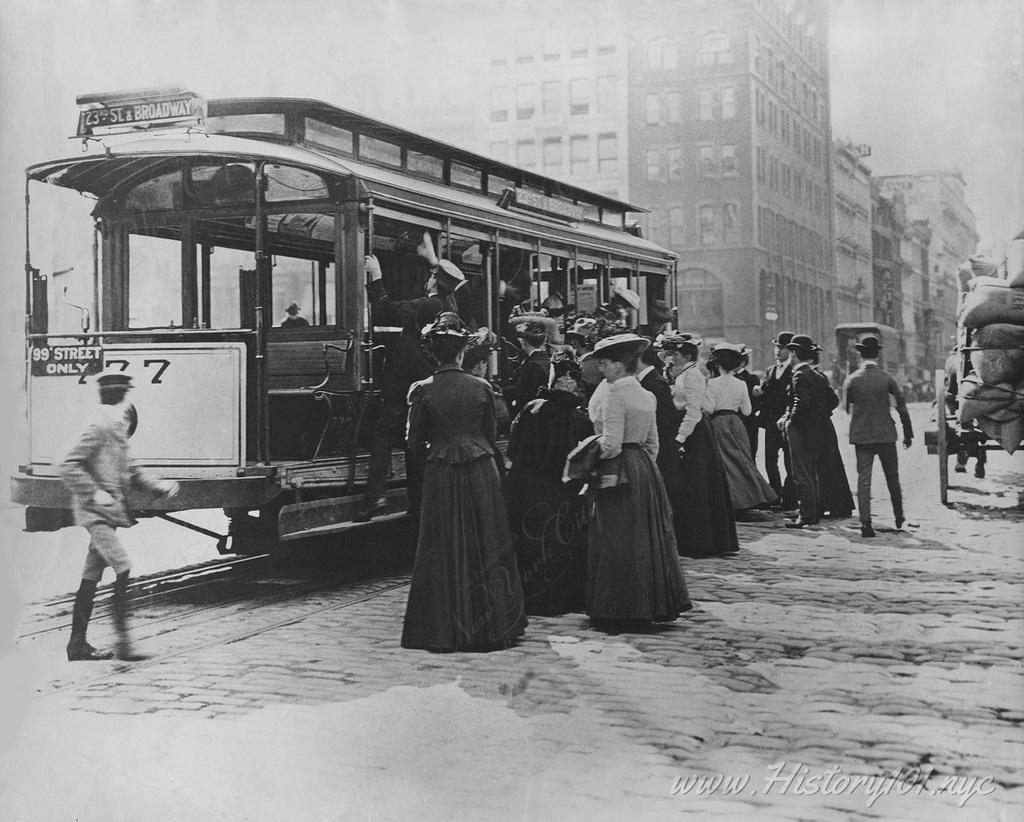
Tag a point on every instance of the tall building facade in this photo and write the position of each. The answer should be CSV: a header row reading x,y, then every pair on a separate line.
x,y
730,148
938,196
556,96
851,180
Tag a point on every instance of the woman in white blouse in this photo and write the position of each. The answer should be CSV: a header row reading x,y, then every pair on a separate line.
x,y
705,525
725,400
633,570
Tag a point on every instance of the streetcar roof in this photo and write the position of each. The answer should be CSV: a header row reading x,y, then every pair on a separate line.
x,y
104,169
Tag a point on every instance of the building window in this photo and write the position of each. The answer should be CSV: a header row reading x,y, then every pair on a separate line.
x,y
552,45
606,93
579,96
761,176
758,59
676,227
784,131
729,161
731,222
526,154
605,50
579,155
499,104
662,53
728,94
552,156
525,102
578,44
707,225
607,153
674,106
715,49
675,164
705,104
652,109
706,161
654,171
499,150
551,98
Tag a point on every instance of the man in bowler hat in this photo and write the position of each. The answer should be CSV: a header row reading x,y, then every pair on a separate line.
x,y
99,474
868,392
810,401
405,364
774,399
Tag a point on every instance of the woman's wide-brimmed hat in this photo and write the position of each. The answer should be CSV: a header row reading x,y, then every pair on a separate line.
x,y
678,342
728,346
582,327
448,324
618,345
533,324
627,297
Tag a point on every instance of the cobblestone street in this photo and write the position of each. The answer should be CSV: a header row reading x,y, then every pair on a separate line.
x,y
825,675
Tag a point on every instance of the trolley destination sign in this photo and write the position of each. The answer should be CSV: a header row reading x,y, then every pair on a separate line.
x,y
109,116
66,360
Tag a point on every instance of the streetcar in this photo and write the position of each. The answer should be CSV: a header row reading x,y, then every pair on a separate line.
x,y
186,232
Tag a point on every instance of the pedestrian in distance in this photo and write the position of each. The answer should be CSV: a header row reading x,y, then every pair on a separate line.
x,y
633,572
532,374
293,317
809,405
774,398
99,474
703,513
727,403
465,593
405,363
869,391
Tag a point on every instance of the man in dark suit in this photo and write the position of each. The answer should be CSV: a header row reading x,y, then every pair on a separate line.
x,y
405,364
774,392
807,411
868,392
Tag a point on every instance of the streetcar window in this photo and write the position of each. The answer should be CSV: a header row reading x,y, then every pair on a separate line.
x,y
303,282
154,292
463,175
225,264
246,124
328,136
290,183
163,192
380,151
425,164
220,184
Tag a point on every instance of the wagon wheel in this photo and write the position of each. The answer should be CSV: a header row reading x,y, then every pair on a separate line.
x,y
942,445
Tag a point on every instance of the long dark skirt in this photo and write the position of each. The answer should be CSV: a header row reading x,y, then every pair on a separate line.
x,y
836,499
549,527
704,519
632,566
465,592
747,488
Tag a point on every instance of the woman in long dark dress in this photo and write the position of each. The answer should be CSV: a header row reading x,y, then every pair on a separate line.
x,y
836,499
632,567
704,519
465,593
726,401
547,515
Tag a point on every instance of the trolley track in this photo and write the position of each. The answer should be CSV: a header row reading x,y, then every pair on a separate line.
x,y
115,669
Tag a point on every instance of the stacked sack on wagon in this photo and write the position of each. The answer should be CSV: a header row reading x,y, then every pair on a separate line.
x,y
992,313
